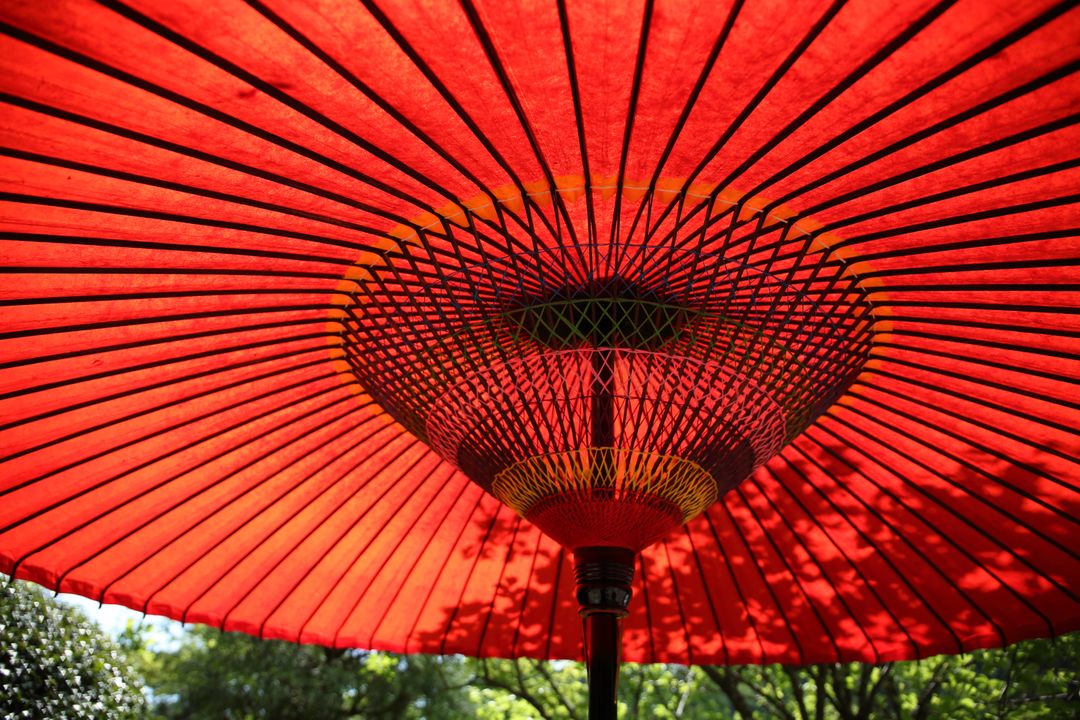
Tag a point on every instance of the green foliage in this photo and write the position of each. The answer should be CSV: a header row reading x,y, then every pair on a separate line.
x,y
55,663
229,675
1036,679
234,676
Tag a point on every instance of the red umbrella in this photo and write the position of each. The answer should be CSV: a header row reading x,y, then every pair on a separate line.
x,y
802,277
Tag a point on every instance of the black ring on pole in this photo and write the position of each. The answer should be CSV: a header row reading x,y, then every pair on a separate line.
x,y
604,576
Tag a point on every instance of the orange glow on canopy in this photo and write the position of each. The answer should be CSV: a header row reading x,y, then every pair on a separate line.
x,y
193,194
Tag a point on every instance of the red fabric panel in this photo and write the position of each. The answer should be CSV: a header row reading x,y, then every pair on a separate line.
x,y
187,188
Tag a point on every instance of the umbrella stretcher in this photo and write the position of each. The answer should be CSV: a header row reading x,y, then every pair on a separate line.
x,y
744,332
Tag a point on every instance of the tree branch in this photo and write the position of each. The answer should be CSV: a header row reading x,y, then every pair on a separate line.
x,y
637,694
681,707
520,691
796,689
1003,708
822,701
729,686
922,707
543,670
866,701
842,700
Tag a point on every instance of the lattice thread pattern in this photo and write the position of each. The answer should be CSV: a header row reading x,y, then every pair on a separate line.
x,y
607,474
609,325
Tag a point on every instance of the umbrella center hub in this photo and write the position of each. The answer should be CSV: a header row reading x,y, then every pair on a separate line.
x,y
609,313
607,390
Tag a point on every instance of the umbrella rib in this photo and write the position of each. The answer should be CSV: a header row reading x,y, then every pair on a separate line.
x,y
985,426
444,92
982,448
525,595
343,437
869,540
953,193
148,181
628,125
147,462
797,581
255,546
789,61
874,187
970,217
176,504
441,567
132,297
1028,87
708,595
326,552
209,158
452,616
995,182
129,392
170,339
193,272
986,382
579,122
270,90
997,407
676,596
947,538
822,572
880,517
695,93
322,309
368,92
157,364
276,373
984,149
959,245
560,562
85,523
839,547
734,525
205,110
882,54
371,451
957,70
949,509
123,211
751,621
185,249
360,553
643,573
1007,387
492,54
416,557
968,358
1050,263
812,34
969,324
866,190
982,342
496,587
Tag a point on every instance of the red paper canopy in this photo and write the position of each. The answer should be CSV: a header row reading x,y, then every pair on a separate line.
x,y
191,193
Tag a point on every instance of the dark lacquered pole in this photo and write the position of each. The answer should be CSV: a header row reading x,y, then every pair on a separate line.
x,y
603,633
604,576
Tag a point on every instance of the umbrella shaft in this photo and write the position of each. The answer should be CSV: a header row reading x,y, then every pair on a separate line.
x,y
603,640
603,391
604,576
